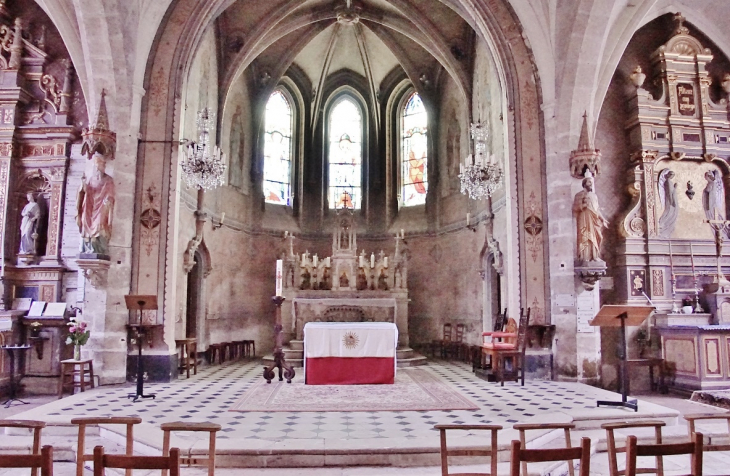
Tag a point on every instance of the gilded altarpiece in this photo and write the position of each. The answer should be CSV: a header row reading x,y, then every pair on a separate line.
x,y
36,99
674,229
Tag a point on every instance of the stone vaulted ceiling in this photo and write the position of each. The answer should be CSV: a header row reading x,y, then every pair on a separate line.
x,y
371,38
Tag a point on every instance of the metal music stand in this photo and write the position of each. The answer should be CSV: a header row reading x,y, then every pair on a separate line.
x,y
140,303
622,316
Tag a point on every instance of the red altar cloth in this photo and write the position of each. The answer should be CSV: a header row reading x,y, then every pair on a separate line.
x,y
339,353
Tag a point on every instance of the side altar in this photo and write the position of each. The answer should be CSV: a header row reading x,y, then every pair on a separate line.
x,y
348,286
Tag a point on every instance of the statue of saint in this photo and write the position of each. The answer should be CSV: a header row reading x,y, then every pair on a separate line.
x,y
29,226
306,280
95,208
590,222
362,280
382,281
668,196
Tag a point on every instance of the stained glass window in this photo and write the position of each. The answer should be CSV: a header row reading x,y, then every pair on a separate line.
x,y
414,152
278,150
345,155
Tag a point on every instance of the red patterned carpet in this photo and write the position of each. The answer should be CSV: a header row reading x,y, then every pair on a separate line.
x,y
415,389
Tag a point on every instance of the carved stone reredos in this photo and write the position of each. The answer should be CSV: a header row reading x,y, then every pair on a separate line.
x,y
585,157
98,138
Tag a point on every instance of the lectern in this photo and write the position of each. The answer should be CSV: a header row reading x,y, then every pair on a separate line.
x,y
140,303
621,316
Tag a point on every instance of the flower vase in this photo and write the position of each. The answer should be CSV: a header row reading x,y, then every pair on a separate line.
x,y
77,352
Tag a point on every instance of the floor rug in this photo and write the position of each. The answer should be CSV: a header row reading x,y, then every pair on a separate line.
x,y
413,390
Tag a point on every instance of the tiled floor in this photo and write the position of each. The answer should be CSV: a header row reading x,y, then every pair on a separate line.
x,y
209,396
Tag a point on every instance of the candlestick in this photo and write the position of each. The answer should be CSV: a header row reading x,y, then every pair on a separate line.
x,y
372,260
279,280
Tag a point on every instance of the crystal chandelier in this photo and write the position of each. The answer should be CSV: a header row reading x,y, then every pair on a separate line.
x,y
203,166
480,177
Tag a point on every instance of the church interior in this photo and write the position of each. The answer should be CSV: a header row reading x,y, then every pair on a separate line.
x,y
348,227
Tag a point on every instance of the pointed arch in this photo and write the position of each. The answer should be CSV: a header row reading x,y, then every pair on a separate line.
x,y
414,154
278,154
345,152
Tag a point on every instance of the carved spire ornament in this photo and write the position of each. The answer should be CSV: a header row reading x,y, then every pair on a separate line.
x,y
98,138
585,158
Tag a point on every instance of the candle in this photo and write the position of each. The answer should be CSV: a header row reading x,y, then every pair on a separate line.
x,y
279,280
385,261
372,260
315,260
402,233
671,264
362,261
468,216
304,260
223,217
286,233
692,258
327,262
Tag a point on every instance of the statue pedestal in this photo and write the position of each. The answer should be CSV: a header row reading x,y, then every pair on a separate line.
x,y
107,344
590,272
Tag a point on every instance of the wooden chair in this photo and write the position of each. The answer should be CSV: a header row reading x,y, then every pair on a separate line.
x,y
525,427
249,348
581,453
84,421
693,417
693,448
74,373
188,355
514,350
443,342
491,452
44,461
613,451
191,460
455,348
215,350
128,463
36,426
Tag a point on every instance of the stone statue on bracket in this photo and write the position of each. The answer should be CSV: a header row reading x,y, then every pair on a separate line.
x,y
95,198
667,188
31,215
590,223
95,209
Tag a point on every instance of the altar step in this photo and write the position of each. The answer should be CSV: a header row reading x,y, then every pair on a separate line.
x,y
294,355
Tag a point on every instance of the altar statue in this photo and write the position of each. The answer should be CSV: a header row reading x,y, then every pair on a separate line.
x,y
668,196
589,221
95,208
29,226
713,196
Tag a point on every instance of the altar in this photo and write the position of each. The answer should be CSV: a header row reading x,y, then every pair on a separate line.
x,y
341,353
352,285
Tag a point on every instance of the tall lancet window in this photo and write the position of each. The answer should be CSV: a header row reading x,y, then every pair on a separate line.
x,y
414,152
278,150
345,155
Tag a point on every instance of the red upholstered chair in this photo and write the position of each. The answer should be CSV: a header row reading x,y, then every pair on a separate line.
x,y
508,346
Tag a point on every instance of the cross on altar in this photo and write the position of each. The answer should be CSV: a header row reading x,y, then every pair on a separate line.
x,y
718,226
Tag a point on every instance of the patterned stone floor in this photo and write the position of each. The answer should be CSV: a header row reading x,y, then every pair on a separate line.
x,y
209,396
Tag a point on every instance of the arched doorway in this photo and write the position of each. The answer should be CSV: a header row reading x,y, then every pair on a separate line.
x,y
194,297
